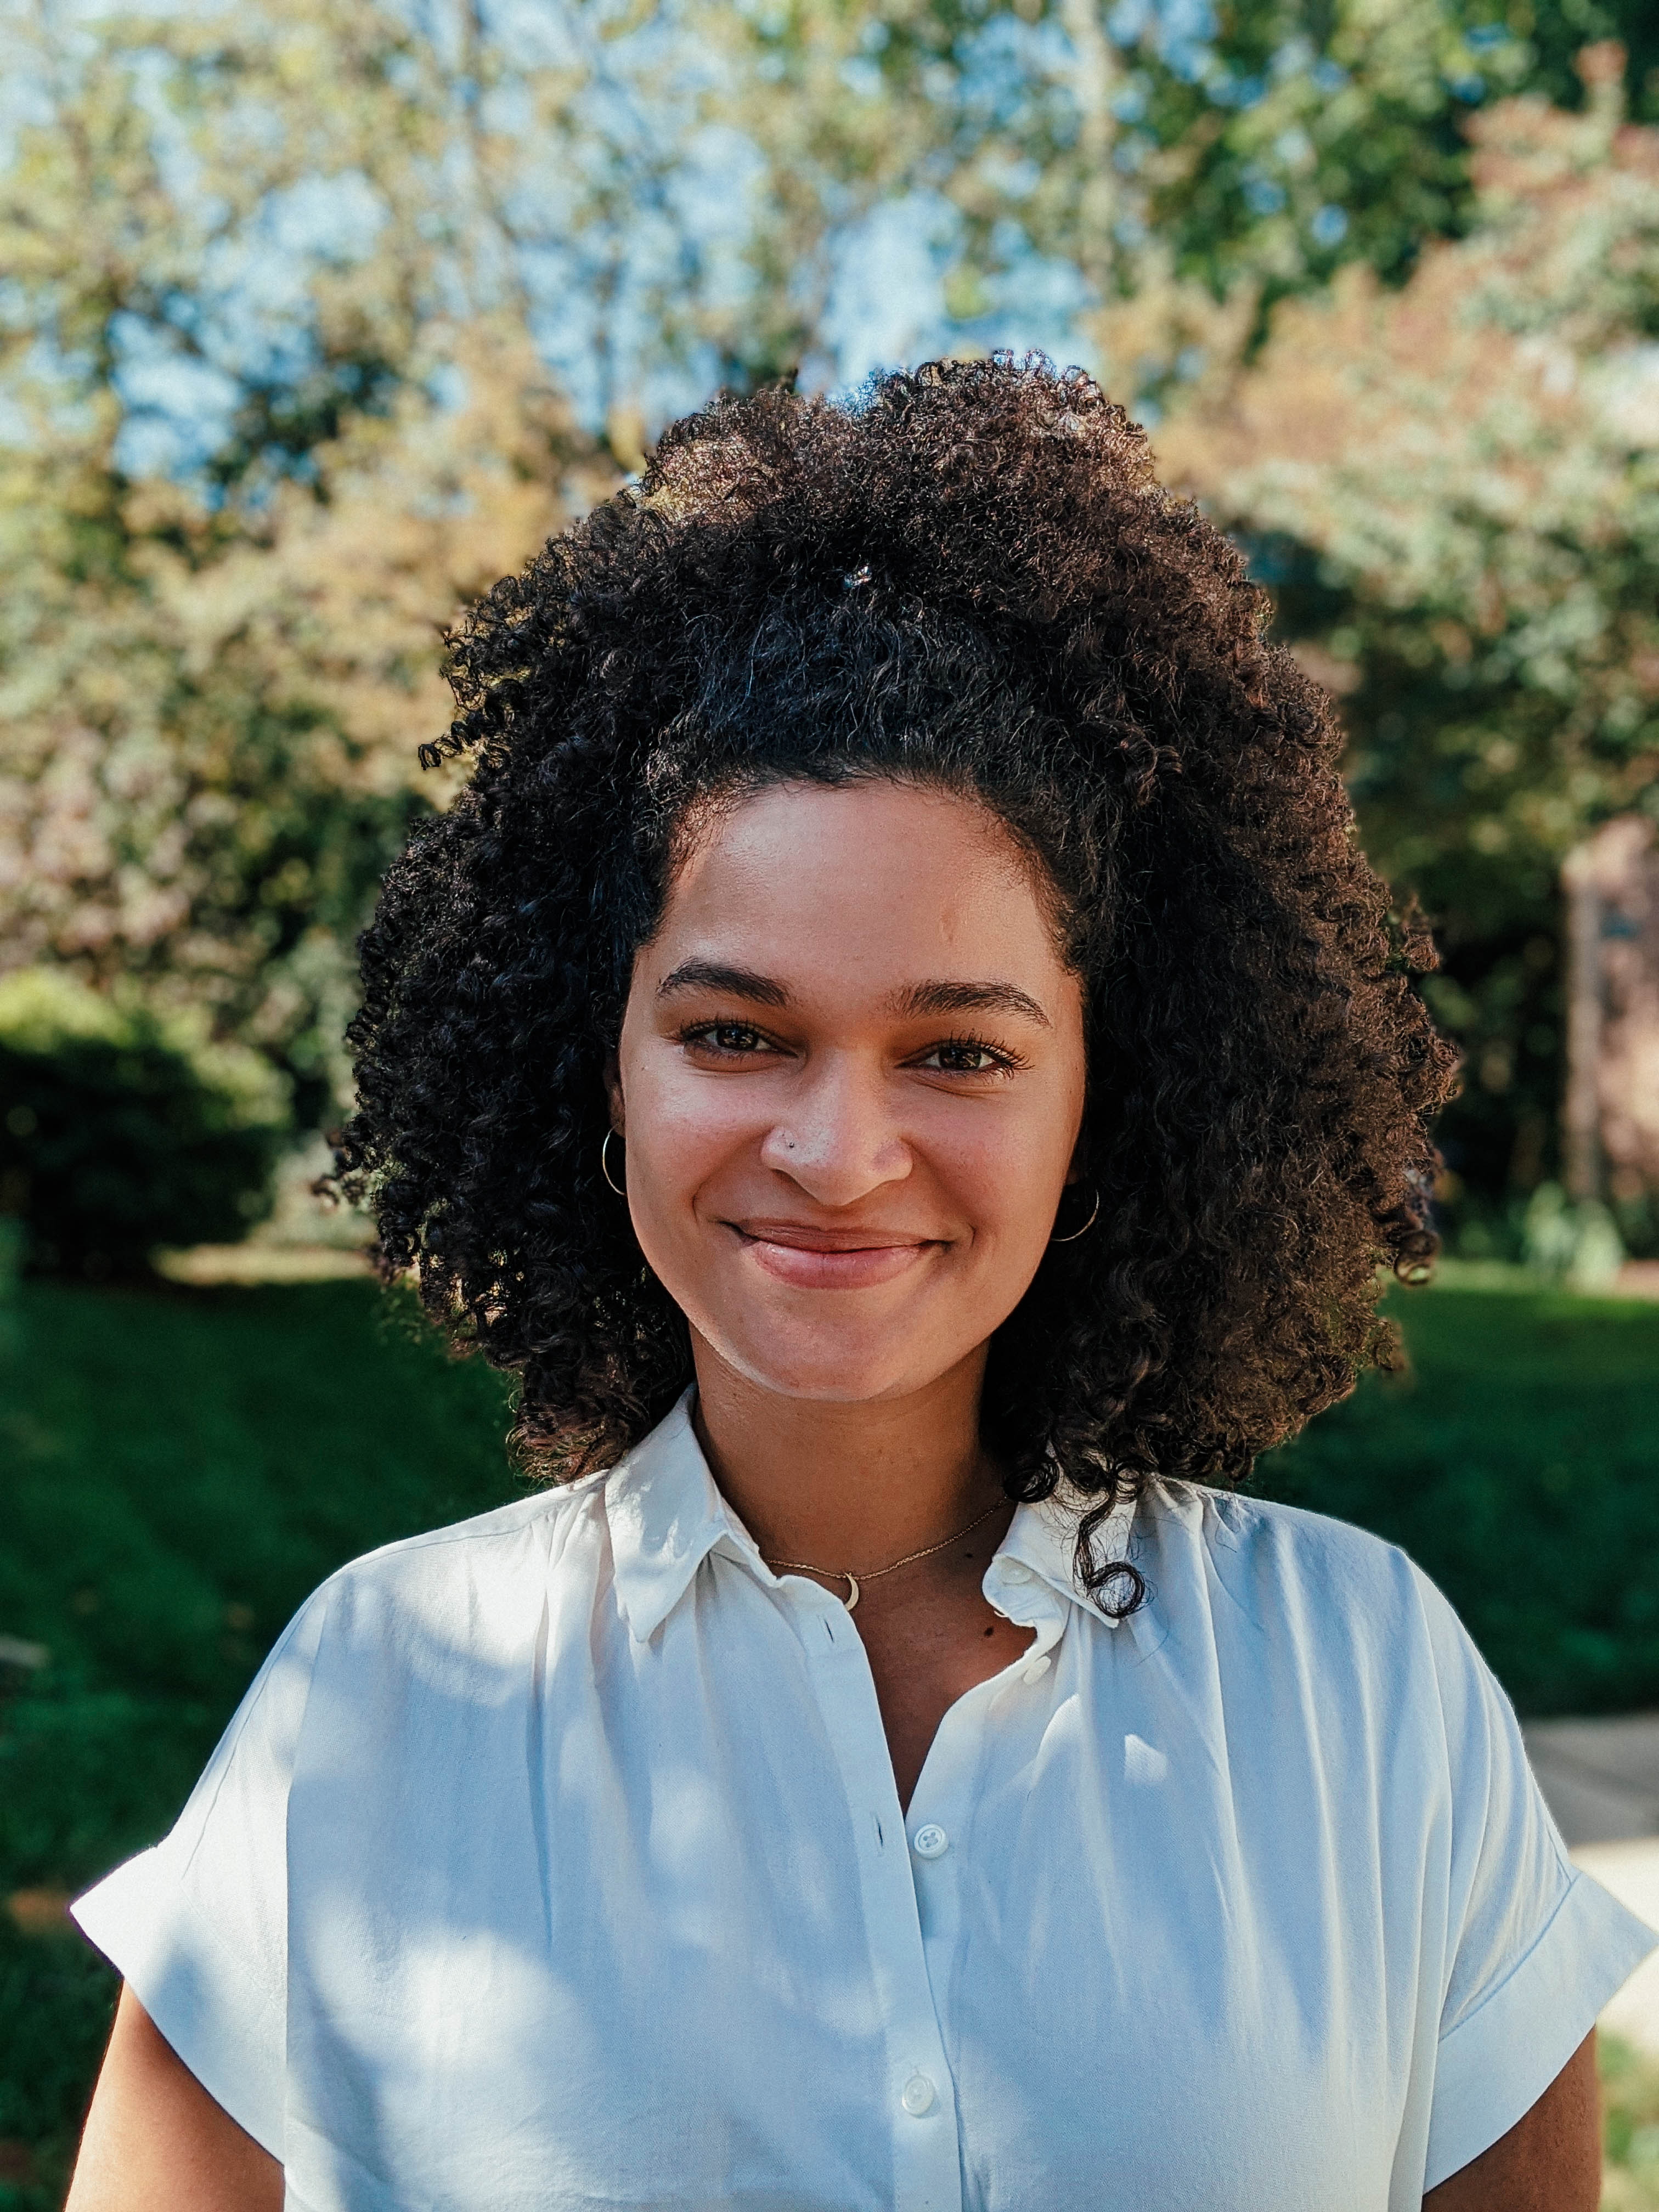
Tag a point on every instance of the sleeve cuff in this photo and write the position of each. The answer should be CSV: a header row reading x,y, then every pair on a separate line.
x,y
1496,2063
206,2004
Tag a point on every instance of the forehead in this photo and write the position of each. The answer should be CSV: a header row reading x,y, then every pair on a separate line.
x,y
874,872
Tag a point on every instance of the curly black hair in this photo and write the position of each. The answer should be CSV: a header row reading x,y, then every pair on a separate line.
x,y
970,580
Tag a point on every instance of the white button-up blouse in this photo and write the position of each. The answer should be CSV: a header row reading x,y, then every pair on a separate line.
x,y
554,1861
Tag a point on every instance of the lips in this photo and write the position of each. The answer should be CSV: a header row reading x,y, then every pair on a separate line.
x,y
811,1258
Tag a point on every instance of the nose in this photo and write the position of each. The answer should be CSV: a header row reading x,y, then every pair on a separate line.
x,y
838,1140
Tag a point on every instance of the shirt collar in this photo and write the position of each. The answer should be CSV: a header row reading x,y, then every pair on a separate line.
x,y
667,1514
1043,1538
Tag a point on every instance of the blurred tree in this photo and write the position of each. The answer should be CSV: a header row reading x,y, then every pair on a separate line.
x,y
1156,172
1177,156
1454,488
1556,31
215,663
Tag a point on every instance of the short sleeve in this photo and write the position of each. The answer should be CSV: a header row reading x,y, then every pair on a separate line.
x,y
197,1927
1534,1948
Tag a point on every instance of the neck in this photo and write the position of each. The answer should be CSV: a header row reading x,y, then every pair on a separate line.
x,y
845,1486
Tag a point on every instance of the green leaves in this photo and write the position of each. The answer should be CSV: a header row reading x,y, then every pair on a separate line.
x,y
221,633
119,1131
1455,489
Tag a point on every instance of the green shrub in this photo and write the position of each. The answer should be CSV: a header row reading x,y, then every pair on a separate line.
x,y
1576,1241
58,1996
1630,2126
121,1129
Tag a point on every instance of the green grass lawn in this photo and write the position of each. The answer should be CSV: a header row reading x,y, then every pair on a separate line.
x,y
178,1468
1518,1462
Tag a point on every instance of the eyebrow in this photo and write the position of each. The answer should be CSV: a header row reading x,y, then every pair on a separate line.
x,y
715,976
989,998
916,1000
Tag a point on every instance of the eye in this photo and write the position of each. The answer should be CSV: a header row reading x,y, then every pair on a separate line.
x,y
967,1056
735,1038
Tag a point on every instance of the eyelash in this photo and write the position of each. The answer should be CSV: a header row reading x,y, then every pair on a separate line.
x,y
1004,1062
704,1033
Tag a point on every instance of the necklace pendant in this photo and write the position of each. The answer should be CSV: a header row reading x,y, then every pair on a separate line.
x,y
852,1581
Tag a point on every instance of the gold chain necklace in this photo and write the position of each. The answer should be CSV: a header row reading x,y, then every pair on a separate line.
x,y
846,1575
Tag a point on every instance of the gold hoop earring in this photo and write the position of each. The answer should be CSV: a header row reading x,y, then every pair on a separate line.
x,y
1086,1227
621,1190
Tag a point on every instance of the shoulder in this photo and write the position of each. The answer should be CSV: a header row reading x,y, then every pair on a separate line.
x,y
546,1516
1336,1599
1322,1644
1285,1547
469,1569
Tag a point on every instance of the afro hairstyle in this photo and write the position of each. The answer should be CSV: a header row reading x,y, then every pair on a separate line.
x,y
967,579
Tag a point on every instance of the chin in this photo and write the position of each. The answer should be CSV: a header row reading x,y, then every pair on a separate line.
x,y
848,1375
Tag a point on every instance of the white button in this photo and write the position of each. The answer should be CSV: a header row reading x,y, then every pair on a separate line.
x,y
930,1842
1036,1670
1016,1571
917,2096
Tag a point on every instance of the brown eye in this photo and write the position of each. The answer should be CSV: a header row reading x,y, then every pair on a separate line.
x,y
725,1036
961,1057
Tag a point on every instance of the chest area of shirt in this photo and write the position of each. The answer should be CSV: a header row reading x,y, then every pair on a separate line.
x,y
681,1946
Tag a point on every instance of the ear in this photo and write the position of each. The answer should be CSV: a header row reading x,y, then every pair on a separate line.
x,y
613,1091
1075,1170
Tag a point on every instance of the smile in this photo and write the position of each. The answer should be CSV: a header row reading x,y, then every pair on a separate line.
x,y
830,1259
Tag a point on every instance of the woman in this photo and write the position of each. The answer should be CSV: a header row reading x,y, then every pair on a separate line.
x,y
897,1049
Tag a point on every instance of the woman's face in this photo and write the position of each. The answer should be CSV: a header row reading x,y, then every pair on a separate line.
x,y
850,1080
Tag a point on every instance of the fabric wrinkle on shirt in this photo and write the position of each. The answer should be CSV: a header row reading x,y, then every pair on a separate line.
x,y
556,1860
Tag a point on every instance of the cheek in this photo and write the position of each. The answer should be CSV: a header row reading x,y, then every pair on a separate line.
x,y
1017,1187
1003,1169
680,1131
